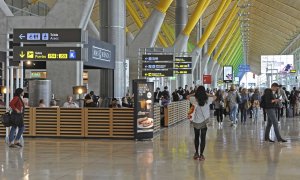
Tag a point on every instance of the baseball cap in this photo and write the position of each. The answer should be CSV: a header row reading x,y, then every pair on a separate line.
x,y
275,85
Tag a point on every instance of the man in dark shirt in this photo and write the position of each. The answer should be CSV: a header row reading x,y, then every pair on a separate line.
x,y
90,100
271,104
157,95
166,93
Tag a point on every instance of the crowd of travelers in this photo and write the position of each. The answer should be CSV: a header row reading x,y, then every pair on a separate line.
x,y
231,102
240,105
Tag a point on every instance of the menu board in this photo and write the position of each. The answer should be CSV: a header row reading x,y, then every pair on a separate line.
x,y
143,112
227,74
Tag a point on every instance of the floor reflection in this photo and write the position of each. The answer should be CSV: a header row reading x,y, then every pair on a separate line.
x,y
231,153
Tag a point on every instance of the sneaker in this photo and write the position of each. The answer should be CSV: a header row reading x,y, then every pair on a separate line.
x,y
282,140
196,156
12,146
201,158
18,144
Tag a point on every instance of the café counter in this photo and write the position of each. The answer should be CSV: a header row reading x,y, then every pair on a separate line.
x,y
105,123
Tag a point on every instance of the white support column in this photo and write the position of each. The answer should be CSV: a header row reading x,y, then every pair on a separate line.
x,y
17,77
116,36
22,74
11,78
7,74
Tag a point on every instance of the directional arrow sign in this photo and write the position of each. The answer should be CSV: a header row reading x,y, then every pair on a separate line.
x,y
22,36
47,35
22,55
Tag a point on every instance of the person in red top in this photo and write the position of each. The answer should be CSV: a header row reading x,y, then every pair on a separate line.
x,y
17,115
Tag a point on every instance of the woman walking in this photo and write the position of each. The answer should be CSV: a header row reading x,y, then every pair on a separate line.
x,y
244,105
219,107
255,99
17,116
199,120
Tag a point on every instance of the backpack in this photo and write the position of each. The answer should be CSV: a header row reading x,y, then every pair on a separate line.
x,y
5,119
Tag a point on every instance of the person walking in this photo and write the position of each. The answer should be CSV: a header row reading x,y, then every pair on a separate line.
x,y
244,105
271,104
219,107
199,120
255,102
17,118
233,99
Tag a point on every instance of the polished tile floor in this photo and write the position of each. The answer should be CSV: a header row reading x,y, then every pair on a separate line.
x,y
231,153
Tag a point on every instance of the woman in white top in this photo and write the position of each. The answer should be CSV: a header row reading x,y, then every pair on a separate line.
x,y
200,118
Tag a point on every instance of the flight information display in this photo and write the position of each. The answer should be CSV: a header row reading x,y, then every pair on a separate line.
x,y
183,65
46,35
168,58
167,73
157,65
42,53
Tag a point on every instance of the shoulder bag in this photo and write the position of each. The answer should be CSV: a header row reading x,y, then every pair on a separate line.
x,y
5,119
202,124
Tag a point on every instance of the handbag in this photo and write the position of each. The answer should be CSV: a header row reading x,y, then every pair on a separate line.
x,y
6,119
215,113
247,105
202,124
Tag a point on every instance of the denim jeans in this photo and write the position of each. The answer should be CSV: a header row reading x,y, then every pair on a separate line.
x,y
233,113
272,120
243,115
255,113
12,133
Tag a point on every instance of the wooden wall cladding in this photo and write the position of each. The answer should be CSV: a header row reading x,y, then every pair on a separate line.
x,y
97,122
176,112
46,122
2,128
122,123
71,122
92,122
156,119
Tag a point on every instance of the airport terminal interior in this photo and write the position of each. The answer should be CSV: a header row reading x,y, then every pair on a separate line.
x,y
149,89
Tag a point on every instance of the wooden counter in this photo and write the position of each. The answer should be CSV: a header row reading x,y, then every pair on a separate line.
x,y
92,122
77,122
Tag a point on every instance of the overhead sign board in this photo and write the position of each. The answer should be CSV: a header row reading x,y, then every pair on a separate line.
x,y
182,71
161,73
183,65
244,68
100,54
158,58
183,59
157,65
39,53
46,35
